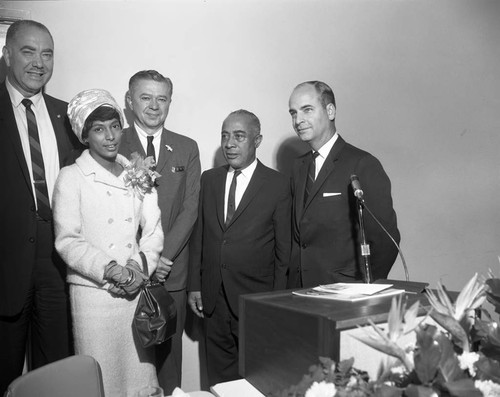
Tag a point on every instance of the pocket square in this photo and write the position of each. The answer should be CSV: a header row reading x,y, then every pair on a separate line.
x,y
331,194
179,168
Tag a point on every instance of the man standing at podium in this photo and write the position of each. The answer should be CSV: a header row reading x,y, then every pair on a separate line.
x,y
326,236
241,240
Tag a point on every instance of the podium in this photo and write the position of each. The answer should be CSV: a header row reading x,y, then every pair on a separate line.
x,y
282,335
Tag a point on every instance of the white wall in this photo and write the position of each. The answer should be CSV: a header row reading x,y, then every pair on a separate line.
x,y
417,84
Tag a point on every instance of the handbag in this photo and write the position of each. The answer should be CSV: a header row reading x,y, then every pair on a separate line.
x,y
155,316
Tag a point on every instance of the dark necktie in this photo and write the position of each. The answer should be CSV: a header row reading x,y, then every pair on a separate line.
x,y
150,151
38,168
311,175
231,202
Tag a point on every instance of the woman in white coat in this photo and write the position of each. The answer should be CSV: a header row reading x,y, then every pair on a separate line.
x,y
99,210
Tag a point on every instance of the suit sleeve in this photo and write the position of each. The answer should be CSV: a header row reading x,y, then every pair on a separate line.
x,y
195,248
151,241
178,235
282,237
378,199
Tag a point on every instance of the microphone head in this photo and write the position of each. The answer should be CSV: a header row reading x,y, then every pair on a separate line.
x,y
356,187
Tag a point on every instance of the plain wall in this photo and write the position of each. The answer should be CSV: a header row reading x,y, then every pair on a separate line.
x,y
417,84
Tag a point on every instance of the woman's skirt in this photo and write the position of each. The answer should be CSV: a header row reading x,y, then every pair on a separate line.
x,y
102,328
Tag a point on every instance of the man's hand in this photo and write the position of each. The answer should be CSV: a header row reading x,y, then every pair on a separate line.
x,y
163,269
195,303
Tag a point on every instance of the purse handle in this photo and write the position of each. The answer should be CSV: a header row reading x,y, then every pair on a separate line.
x,y
144,263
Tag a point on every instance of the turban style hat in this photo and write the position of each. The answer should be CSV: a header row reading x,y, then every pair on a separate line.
x,y
84,103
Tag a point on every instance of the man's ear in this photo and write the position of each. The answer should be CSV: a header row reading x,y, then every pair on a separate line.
x,y
129,100
330,110
258,140
6,55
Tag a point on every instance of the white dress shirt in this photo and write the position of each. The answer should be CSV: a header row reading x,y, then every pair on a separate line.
x,y
46,134
143,137
324,151
241,185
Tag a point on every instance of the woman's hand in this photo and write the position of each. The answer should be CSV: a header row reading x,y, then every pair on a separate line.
x,y
138,278
126,280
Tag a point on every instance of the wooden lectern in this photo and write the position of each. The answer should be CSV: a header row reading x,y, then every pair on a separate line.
x,y
282,335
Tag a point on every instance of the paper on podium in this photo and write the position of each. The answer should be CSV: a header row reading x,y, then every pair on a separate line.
x,y
240,388
350,292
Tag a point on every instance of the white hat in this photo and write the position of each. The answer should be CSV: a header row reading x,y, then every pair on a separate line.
x,y
84,103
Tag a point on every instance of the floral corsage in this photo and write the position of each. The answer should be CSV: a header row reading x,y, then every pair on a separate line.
x,y
140,174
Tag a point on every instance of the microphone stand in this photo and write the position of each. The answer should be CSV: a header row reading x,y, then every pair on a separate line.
x,y
365,247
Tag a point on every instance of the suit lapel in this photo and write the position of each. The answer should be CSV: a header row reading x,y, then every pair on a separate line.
x,y
164,155
8,120
57,118
220,188
326,170
133,143
300,184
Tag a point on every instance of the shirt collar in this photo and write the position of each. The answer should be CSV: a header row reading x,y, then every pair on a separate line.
x,y
325,149
16,97
247,171
141,132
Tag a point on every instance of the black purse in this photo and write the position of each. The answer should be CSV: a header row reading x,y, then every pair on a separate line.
x,y
155,317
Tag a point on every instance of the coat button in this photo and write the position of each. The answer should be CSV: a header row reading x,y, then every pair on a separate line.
x,y
304,246
108,193
129,219
110,220
111,246
129,245
31,239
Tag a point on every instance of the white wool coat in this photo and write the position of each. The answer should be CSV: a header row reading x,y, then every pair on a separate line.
x,y
96,220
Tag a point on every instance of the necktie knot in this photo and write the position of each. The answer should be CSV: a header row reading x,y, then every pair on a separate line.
x,y
236,173
314,154
27,103
150,139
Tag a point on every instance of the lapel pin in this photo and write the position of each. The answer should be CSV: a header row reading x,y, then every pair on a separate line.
x,y
169,148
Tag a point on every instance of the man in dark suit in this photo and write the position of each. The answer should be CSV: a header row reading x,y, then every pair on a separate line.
x,y
241,241
35,141
178,162
326,243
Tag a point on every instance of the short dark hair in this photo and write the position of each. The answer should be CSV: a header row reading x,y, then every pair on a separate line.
x,y
24,23
102,113
254,120
324,91
150,75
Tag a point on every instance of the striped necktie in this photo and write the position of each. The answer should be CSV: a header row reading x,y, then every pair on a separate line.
x,y
231,201
150,150
38,168
311,175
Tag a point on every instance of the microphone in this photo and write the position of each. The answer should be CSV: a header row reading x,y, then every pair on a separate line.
x,y
358,193
356,187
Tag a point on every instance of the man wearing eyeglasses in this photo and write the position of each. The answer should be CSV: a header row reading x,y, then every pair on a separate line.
x,y
241,241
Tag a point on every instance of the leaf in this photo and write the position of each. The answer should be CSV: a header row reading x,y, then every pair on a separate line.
x,y
449,365
488,369
427,355
453,327
387,391
419,391
463,388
